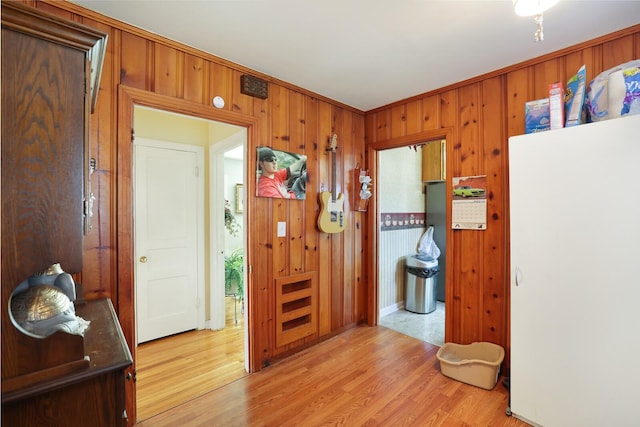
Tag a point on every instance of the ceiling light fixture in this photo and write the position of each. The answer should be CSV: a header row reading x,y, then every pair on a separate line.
x,y
534,8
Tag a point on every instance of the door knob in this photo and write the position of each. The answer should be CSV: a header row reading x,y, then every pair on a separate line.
x,y
143,259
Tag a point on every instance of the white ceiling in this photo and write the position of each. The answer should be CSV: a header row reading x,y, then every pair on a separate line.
x,y
369,53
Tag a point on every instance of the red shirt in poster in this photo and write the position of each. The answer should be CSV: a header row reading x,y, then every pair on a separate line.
x,y
275,187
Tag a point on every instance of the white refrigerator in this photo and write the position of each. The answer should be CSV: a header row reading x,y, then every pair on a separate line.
x,y
575,275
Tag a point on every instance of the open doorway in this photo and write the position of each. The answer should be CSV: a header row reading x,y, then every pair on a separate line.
x,y
411,201
212,351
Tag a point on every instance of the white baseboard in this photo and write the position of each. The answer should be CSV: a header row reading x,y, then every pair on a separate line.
x,y
391,309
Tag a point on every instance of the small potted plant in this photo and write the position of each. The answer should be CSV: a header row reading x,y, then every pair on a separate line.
x,y
233,274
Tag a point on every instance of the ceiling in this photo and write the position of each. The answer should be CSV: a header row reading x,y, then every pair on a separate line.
x,y
369,53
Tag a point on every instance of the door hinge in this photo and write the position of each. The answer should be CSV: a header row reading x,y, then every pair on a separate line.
x,y
197,171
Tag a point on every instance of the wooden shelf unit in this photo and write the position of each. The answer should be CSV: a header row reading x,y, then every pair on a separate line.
x,y
296,307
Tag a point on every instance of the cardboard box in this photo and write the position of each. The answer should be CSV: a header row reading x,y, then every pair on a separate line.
x,y
536,115
556,106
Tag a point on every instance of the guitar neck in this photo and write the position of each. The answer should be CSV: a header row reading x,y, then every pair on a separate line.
x,y
334,195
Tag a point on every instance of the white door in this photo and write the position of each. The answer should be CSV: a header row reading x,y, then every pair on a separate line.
x,y
166,239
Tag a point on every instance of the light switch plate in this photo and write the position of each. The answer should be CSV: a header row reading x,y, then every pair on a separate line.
x,y
282,228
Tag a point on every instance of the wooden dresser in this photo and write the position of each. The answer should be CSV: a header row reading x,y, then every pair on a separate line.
x,y
50,73
92,395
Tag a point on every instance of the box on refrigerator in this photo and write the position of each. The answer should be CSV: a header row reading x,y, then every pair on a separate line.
x,y
536,115
556,106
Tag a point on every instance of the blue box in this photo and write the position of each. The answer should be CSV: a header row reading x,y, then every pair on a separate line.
x,y
536,116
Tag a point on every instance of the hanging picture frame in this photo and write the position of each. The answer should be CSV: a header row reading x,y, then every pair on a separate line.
x,y
281,174
239,198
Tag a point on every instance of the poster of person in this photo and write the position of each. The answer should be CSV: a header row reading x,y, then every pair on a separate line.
x,y
469,210
281,174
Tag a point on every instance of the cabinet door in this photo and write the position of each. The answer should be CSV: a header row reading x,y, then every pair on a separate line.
x,y
42,171
43,125
433,161
574,288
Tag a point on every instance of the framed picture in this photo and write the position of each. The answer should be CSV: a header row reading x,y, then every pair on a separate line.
x,y
239,198
281,174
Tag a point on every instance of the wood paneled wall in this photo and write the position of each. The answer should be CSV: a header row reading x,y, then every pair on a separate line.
x,y
480,115
143,66
476,116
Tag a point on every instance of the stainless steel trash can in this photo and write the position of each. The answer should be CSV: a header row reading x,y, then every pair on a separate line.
x,y
420,291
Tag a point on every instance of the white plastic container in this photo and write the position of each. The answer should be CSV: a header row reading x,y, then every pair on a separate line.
x,y
477,364
615,92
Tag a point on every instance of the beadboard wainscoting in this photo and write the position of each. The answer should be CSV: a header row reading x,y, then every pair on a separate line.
x,y
395,245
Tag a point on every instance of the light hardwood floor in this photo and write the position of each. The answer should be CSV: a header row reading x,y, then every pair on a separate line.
x,y
177,369
365,376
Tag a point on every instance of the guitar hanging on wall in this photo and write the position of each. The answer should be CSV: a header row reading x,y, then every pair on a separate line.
x,y
331,218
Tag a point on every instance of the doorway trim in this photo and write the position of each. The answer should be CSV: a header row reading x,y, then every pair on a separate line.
x,y
216,237
128,97
374,216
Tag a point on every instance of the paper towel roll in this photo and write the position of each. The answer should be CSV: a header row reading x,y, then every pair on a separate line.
x,y
617,90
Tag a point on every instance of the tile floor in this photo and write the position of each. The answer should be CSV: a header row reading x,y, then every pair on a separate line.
x,y
425,327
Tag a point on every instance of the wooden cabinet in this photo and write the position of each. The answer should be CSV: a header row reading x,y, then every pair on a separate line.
x,y
45,107
434,161
50,70
95,393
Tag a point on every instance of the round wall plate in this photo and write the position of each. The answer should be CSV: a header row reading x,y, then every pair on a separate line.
x,y
218,102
